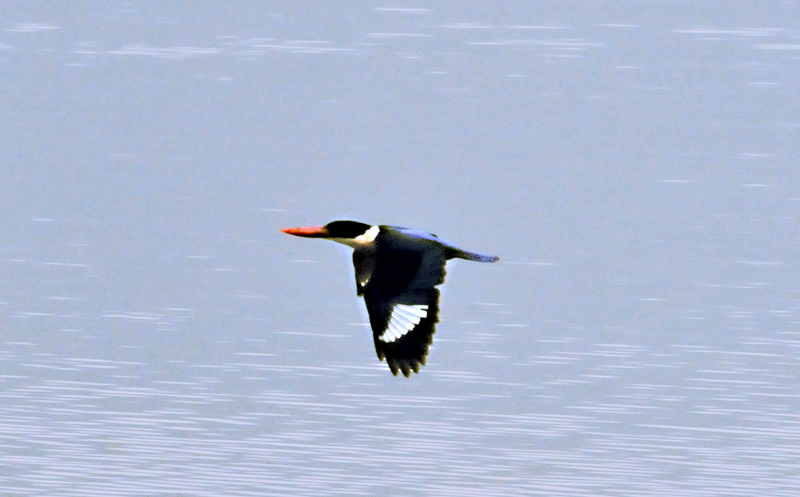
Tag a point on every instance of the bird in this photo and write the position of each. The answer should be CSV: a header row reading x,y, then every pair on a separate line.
x,y
397,270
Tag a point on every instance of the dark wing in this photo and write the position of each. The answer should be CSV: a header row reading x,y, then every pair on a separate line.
x,y
403,305
364,264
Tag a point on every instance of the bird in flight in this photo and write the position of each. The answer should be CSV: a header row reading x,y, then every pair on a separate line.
x,y
397,271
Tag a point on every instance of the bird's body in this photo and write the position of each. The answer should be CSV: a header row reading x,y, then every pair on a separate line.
x,y
397,270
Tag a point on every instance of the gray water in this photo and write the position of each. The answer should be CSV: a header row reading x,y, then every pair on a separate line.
x,y
633,165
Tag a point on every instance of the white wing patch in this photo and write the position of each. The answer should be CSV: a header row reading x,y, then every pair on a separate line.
x,y
404,318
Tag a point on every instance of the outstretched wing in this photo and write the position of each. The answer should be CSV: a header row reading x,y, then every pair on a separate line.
x,y
403,332
403,305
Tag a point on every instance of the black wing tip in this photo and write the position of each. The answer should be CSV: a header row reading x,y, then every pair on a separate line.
x,y
405,366
406,361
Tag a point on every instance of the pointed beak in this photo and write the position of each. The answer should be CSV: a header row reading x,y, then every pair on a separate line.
x,y
308,231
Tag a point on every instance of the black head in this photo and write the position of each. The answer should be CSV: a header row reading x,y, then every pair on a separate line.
x,y
346,229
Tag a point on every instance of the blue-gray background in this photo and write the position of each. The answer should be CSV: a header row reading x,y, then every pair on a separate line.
x,y
633,164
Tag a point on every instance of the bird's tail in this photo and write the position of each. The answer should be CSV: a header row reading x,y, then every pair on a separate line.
x,y
472,256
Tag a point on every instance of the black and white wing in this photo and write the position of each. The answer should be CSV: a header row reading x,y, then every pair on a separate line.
x,y
403,332
403,305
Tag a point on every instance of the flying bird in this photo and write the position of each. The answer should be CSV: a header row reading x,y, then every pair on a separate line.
x,y
397,271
